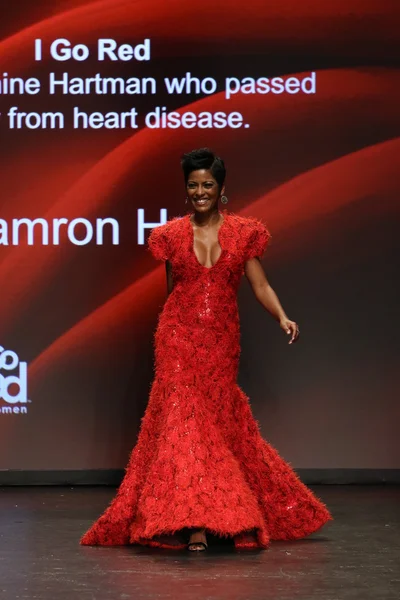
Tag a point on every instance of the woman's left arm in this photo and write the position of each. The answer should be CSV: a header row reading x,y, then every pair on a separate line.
x,y
267,297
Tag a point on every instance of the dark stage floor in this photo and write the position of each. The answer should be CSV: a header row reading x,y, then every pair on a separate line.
x,y
356,556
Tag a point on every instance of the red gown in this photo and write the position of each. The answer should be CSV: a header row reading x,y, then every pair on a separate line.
x,y
200,460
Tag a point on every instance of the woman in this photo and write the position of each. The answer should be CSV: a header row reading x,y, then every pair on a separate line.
x,y
200,464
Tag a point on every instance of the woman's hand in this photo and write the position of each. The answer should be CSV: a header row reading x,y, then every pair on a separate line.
x,y
290,327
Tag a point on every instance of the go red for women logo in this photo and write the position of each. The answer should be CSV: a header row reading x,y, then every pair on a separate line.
x,y
13,383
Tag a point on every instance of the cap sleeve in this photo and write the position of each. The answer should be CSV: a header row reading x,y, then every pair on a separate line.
x,y
257,240
158,243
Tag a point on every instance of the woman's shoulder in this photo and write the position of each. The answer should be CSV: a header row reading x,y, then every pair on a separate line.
x,y
169,228
247,224
173,224
161,241
253,234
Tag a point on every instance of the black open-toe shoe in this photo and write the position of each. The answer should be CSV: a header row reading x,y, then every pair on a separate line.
x,y
200,544
197,546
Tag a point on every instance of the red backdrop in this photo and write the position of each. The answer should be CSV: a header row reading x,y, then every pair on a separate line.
x,y
321,169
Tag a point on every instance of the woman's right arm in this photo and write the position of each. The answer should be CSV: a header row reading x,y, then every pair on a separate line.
x,y
170,281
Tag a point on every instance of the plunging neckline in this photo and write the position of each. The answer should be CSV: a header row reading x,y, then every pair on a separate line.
x,y
192,240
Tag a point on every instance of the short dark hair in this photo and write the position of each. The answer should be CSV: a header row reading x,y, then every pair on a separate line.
x,y
204,158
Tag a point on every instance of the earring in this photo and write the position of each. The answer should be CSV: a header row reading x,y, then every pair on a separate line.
x,y
186,200
224,199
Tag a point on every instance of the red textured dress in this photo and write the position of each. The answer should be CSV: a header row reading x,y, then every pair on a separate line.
x,y
200,460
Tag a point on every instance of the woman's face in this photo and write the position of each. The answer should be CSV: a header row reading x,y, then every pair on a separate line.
x,y
203,191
